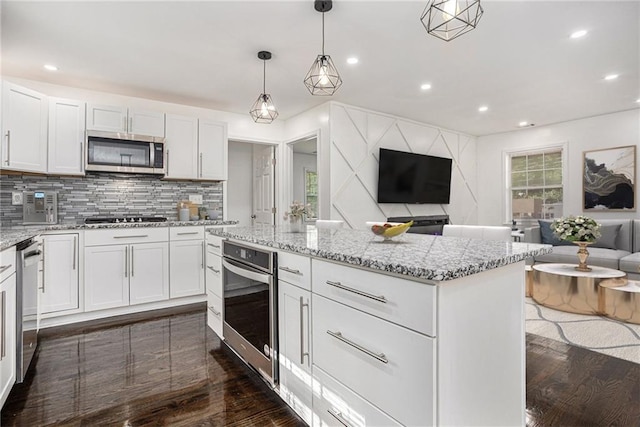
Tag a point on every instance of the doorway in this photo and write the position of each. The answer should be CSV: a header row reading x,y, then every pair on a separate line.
x,y
304,174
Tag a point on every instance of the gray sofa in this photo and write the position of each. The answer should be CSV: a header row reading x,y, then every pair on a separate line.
x,y
621,251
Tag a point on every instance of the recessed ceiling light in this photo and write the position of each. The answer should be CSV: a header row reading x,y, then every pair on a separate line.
x,y
425,86
638,100
578,34
50,67
352,60
483,108
523,124
611,77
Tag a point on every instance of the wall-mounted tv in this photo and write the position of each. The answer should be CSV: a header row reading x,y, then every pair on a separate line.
x,y
413,178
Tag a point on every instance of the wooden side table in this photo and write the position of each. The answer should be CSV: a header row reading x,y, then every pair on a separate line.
x,y
562,287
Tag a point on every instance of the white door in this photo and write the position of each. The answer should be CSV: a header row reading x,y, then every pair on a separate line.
x,y
106,118
263,185
187,268
66,136
149,123
213,145
148,272
24,129
182,147
106,277
60,288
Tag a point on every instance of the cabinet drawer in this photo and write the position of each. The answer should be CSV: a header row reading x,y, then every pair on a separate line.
x,y
401,301
295,269
214,313
336,405
389,366
7,262
123,236
214,244
186,233
213,275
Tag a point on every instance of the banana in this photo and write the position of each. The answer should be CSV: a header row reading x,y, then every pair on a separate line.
x,y
397,229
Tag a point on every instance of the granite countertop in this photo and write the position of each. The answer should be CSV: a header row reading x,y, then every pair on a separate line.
x,y
416,255
11,236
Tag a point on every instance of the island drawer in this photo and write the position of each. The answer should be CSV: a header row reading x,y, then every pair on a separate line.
x,y
389,366
214,244
336,405
295,269
7,262
401,301
115,236
214,313
186,233
213,275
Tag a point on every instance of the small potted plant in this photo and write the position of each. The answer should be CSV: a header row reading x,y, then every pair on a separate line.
x,y
580,230
295,215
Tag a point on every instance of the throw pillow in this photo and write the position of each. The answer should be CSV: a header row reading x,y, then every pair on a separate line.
x,y
547,236
608,235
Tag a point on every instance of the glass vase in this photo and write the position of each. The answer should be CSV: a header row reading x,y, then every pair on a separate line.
x,y
296,225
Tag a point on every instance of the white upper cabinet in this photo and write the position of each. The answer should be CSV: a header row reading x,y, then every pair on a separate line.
x,y
212,146
182,147
122,119
24,129
66,136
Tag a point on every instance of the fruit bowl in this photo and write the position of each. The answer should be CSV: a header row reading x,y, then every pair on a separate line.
x,y
389,230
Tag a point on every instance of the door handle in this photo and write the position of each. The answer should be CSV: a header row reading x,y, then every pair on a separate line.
x,y
200,165
302,352
132,261
74,252
202,263
8,146
126,261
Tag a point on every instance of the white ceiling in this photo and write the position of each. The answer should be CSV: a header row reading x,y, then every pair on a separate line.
x,y
519,60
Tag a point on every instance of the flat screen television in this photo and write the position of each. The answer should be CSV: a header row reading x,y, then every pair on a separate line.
x,y
413,178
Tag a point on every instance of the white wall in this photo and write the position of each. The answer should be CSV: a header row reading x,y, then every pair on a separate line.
x,y
610,130
240,182
301,162
356,136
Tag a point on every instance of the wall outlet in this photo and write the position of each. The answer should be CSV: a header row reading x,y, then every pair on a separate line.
x,y
16,198
195,198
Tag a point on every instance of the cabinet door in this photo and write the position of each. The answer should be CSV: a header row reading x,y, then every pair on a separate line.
x,y
106,277
66,136
146,123
60,287
24,129
7,336
212,143
187,268
106,118
295,348
148,272
182,147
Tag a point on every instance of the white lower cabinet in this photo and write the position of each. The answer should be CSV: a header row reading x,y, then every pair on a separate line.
x,y
59,291
149,273
294,315
187,268
7,322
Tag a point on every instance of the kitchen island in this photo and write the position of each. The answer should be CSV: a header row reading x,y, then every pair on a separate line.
x,y
419,330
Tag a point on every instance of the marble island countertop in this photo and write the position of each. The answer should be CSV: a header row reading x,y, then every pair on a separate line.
x,y
12,235
420,256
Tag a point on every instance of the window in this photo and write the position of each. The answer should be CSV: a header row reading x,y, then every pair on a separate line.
x,y
535,184
311,192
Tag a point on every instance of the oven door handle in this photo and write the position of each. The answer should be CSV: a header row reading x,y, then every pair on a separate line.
x,y
246,273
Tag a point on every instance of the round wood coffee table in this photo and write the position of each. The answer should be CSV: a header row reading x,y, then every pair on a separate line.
x,y
562,287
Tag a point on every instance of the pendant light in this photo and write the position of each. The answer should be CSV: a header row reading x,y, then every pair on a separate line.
x,y
323,77
448,19
263,110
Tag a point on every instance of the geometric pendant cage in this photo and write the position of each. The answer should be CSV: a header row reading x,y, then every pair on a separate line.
x,y
263,110
448,19
323,78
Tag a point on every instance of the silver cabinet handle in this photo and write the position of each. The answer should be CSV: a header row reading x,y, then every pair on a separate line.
x,y
124,123
214,246
167,162
81,156
3,345
338,416
126,261
200,165
213,269
203,255
131,237
378,356
379,298
213,310
4,267
184,233
8,146
132,261
74,252
302,352
130,124
291,270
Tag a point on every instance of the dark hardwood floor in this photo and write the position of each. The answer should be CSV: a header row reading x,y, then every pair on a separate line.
x,y
174,371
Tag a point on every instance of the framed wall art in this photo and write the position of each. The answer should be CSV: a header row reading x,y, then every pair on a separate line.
x,y
609,180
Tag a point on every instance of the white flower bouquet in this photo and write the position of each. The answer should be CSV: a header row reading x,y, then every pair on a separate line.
x,y
297,210
576,229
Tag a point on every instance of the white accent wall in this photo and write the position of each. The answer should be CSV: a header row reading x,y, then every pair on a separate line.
x,y
356,135
606,131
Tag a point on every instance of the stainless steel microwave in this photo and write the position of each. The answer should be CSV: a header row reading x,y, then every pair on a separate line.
x,y
124,152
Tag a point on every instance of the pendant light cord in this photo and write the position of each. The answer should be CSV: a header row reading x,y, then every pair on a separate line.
x,y
322,33
264,76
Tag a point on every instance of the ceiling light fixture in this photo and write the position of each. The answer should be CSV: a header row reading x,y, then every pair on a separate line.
x,y
425,86
483,108
448,19
50,67
352,60
638,100
611,77
263,110
578,34
323,77
523,124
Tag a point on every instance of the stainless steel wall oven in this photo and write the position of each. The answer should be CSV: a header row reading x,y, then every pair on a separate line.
x,y
250,306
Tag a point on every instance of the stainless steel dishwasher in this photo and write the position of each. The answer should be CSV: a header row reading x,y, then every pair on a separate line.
x,y
28,256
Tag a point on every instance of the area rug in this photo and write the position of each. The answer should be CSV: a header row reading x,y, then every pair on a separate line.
x,y
594,333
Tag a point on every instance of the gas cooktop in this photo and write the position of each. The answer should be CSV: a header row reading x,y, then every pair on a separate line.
x,y
128,219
